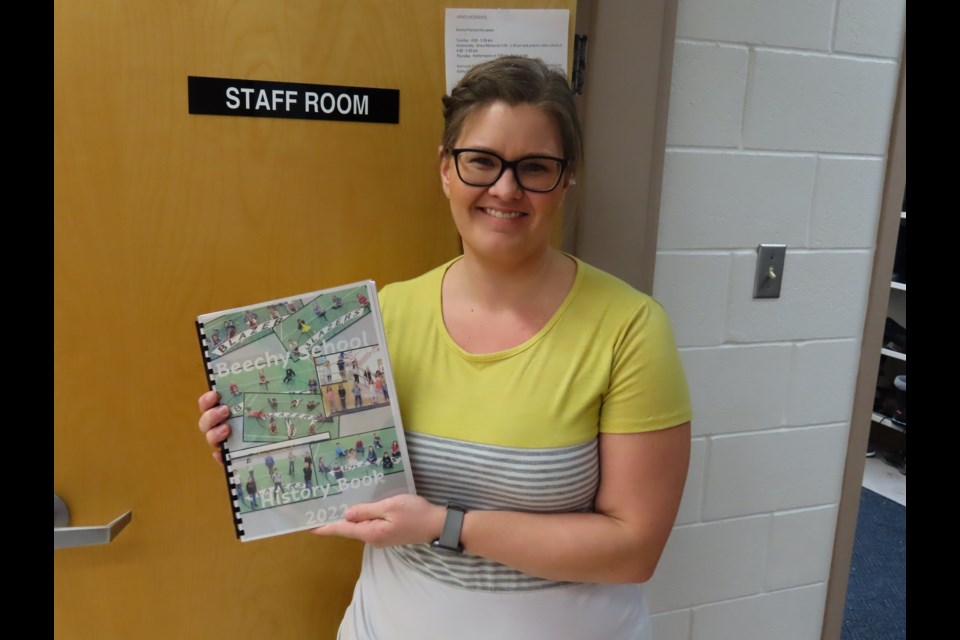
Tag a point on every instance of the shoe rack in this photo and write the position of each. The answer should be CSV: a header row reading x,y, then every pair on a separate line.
x,y
888,428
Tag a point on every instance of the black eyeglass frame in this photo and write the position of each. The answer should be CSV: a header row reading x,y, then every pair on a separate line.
x,y
507,164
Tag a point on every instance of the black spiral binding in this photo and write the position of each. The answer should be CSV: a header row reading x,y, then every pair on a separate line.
x,y
224,452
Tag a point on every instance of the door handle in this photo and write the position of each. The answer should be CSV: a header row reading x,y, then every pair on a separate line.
x,y
65,536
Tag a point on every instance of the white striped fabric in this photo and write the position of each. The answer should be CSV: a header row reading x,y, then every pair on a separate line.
x,y
485,477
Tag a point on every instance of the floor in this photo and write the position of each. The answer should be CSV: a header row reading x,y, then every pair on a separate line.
x,y
885,479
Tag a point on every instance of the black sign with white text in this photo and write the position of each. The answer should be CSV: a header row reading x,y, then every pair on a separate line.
x,y
261,99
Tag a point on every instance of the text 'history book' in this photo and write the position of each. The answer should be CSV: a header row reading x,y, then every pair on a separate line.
x,y
315,426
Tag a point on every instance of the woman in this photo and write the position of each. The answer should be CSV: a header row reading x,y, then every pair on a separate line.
x,y
546,409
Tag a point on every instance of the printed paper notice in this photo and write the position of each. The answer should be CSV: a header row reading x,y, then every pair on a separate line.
x,y
475,35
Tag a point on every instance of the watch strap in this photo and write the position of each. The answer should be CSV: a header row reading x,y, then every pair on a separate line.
x,y
450,536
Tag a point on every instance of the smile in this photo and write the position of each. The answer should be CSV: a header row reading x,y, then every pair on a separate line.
x,y
502,215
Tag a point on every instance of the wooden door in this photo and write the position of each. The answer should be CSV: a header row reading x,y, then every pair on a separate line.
x,y
160,216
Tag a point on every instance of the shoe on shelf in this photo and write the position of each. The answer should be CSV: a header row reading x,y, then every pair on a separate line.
x,y
899,416
871,451
900,382
900,256
895,336
893,458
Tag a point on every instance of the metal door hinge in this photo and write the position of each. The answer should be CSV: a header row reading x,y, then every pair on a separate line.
x,y
579,63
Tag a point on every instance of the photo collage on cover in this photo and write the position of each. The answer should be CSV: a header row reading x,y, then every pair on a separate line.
x,y
310,405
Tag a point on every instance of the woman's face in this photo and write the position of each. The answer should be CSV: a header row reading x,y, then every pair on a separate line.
x,y
504,222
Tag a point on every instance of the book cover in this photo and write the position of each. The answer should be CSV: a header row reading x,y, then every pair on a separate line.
x,y
314,424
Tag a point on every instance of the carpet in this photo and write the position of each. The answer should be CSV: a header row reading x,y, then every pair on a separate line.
x,y
876,593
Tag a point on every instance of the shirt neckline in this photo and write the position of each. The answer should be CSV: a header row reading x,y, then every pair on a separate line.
x,y
512,351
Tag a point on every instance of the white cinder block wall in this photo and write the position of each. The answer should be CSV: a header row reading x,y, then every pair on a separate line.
x,y
780,115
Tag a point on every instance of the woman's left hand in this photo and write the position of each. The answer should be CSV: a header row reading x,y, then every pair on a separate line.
x,y
403,519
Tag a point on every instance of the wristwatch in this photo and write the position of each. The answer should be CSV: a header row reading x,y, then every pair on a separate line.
x,y
449,539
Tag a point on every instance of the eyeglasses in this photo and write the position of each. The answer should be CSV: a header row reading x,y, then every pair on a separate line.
x,y
478,168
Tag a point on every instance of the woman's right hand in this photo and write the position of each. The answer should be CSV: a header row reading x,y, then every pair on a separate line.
x,y
212,423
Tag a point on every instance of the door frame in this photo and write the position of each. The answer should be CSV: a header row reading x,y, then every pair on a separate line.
x,y
618,231
895,180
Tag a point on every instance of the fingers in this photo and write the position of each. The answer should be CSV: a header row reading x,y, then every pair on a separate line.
x,y
212,421
329,531
212,418
217,435
364,532
208,400
362,512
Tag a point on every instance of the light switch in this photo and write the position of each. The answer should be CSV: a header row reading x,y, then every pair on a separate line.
x,y
770,258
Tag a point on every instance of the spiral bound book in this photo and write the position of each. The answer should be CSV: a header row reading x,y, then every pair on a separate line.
x,y
314,423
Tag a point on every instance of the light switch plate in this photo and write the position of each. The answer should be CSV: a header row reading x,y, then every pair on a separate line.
x,y
769,277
